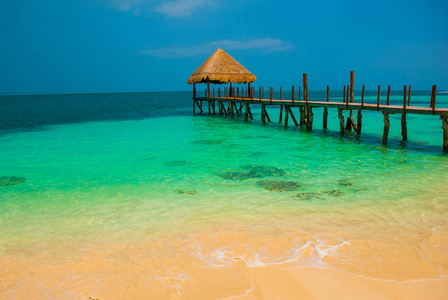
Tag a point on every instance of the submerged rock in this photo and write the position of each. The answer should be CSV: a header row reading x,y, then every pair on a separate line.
x,y
333,193
184,192
345,182
254,171
11,180
317,195
307,195
231,175
264,171
177,163
278,185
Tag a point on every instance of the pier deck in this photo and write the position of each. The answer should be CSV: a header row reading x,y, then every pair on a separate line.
x,y
232,97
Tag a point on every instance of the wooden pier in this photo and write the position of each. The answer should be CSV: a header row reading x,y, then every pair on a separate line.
x,y
231,101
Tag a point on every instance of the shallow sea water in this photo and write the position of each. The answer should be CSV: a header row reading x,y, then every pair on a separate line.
x,y
132,188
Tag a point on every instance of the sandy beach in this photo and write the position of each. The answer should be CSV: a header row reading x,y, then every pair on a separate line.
x,y
327,283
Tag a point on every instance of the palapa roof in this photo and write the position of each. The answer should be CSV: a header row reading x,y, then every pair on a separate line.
x,y
221,68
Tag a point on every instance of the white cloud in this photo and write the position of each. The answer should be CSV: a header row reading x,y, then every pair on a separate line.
x,y
177,8
183,8
128,5
267,44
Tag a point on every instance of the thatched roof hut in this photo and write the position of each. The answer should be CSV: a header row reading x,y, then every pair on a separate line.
x,y
221,68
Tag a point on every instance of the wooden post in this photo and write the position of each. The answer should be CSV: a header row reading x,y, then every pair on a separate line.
x,y
378,100
292,95
246,115
404,127
238,92
281,114
352,86
325,116
386,128
388,94
343,96
302,115
209,107
249,90
305,89
362,97
194,90
409,96
286,115
231,90
309,121
270,93
359,122
341,120
352,91
445,134
434,92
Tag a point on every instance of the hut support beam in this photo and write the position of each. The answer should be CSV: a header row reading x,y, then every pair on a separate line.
x,y
223,108
236,109
386,128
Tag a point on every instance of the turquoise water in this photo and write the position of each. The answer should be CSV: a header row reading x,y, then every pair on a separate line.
x,y
134,169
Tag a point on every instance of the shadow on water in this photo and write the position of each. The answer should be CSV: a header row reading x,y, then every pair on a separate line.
x,y
38,112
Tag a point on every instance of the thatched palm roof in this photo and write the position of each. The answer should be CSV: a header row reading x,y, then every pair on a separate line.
x,y
221,68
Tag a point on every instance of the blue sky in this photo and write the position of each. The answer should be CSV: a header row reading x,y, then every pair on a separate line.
x,y
88,46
